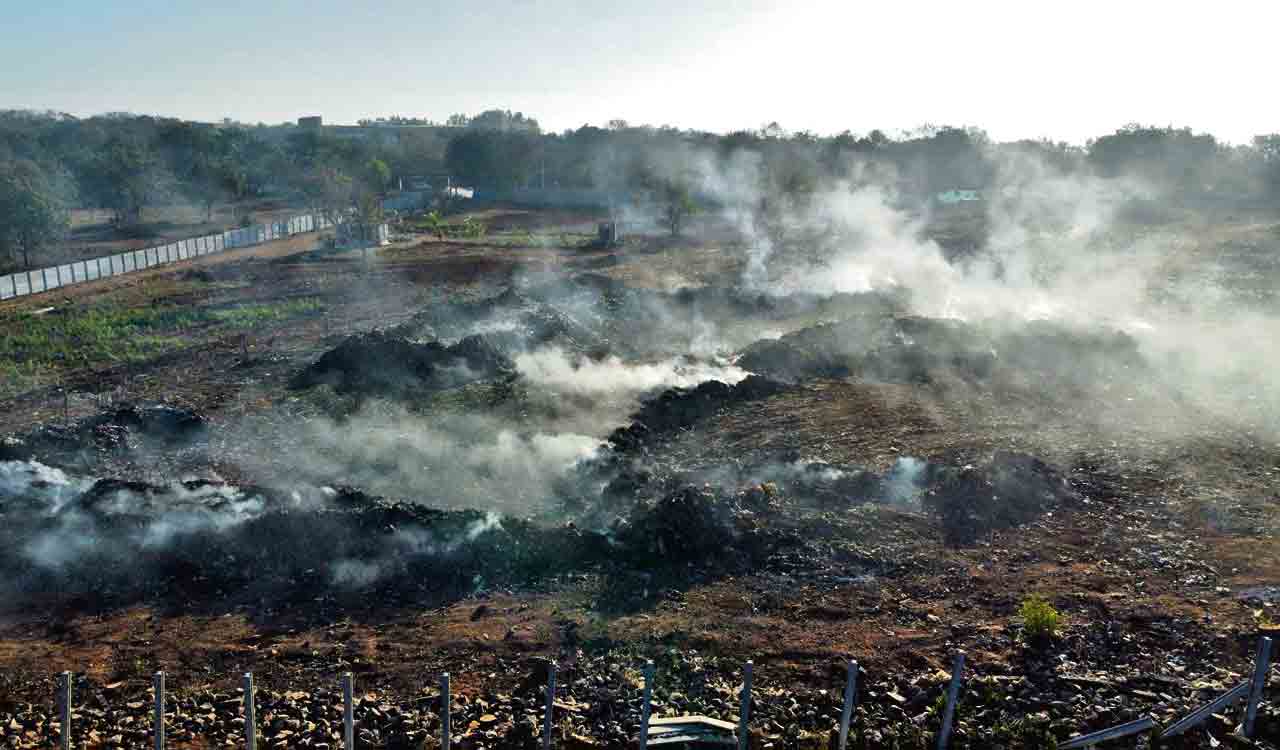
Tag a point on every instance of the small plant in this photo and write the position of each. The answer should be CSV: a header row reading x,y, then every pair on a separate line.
x,y
435,223
1039,618
473,228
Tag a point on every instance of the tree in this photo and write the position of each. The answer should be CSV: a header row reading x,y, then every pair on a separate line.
x,y
379,175
33,212
130,178
677,205
329,193
494,159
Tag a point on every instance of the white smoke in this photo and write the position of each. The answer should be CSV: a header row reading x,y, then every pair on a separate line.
x,y
553,368
48,487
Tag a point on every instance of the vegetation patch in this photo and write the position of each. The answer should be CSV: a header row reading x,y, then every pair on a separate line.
x,y
37,348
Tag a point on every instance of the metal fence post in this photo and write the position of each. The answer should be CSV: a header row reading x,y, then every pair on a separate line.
x,y
1102,735
158,682
953,691
1261,668
551,701
250,726
1204,712
44,279
13,280
644,706
64,709
445,703
850,693
348,712
744,717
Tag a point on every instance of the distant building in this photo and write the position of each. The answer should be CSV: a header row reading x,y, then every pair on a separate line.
x,y
315,122
959,195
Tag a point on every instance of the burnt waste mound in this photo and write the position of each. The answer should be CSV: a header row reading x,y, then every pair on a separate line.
x,y
111,543
914,349
1010,489
112,432
384,363
879,347
678,408
594,314
100,543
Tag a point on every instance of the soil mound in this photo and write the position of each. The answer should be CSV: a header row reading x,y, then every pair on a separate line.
x,y
905,349
676,408
383,363
112,431
1009,490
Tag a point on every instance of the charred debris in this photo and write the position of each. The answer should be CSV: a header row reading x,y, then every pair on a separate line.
x,y
624,508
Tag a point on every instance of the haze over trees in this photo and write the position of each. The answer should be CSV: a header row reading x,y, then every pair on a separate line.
x,y
51,163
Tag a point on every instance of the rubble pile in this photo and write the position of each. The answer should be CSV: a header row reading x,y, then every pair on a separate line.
x,y
911,349
678,408
875,347
1009,490
131,541
382,363
114,431
691,525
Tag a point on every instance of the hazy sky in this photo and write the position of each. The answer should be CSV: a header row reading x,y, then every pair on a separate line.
x,y
1018,69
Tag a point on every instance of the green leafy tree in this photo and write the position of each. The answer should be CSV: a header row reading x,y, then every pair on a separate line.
x,y
130,179
677,205
33,211
378,175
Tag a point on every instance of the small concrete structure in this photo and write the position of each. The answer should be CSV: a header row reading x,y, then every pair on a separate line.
x,y
356,235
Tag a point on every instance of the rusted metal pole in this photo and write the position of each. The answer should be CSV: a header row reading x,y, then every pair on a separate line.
x,y
158,684
348,712
744,717
64,708
644,706
850,693
1110,733
551,700
445,703
1207,710
1261,668
250,725
953,692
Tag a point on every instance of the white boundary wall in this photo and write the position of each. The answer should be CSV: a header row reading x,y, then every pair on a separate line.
x,y
53,277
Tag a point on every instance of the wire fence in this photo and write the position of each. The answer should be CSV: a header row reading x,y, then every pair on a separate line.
x,y
699,730
55,277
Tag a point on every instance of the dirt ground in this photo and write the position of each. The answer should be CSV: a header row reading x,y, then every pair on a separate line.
x,y
1152,583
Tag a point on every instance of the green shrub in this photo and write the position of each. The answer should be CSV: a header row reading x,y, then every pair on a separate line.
x,y
1039,617
473,228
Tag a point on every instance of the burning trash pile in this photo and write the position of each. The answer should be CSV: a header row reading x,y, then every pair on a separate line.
x,y
912,349
383,363
112,432
1009,490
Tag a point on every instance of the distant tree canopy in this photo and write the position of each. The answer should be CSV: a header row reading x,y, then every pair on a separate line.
x,y
1166,155
128,163
33,209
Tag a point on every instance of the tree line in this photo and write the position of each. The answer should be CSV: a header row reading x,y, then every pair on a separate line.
x,y
52,162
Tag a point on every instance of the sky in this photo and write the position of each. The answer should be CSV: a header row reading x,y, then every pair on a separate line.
x,y
1027,69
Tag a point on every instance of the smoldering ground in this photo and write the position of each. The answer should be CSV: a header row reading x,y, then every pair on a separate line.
x,y
1062,296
